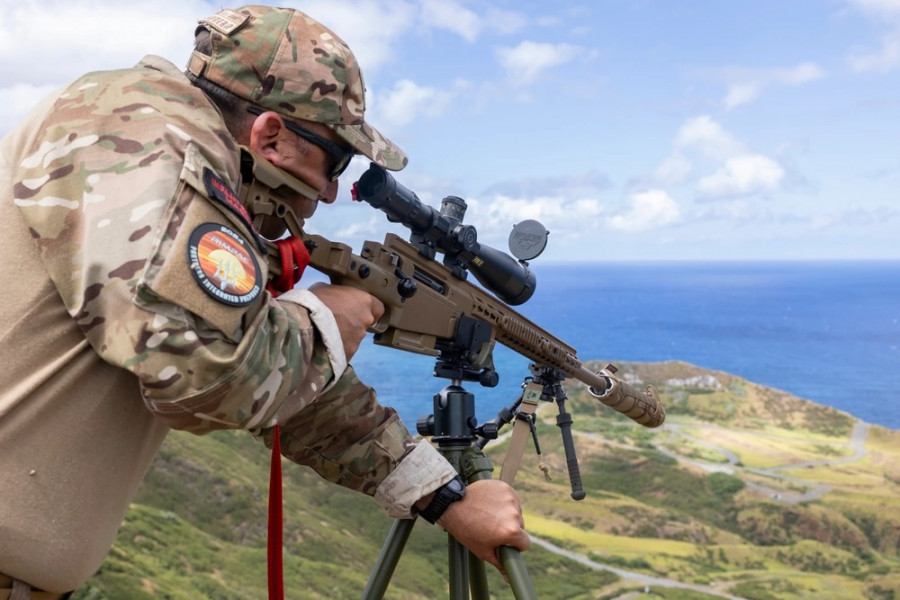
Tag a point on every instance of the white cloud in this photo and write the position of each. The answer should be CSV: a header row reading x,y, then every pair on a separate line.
x,y
570,185
559,214
407,101
731,169
650,209
52,42
742,176
740,211
19,98
742,93
529,59
888,56
45,45
355,229
737,170
886,59
546,208
748,84
889,9
504,21
452,16
853,216
553,20
802,73
673,170
706,136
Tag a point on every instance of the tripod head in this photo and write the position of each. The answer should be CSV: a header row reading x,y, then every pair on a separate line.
x,y
467,357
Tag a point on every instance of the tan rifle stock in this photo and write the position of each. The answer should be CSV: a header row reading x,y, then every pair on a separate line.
x,y
416,323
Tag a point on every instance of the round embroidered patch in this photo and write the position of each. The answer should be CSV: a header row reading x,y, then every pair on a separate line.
x,y
223,266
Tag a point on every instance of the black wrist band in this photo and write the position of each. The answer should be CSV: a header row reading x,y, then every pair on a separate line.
x,y
447,494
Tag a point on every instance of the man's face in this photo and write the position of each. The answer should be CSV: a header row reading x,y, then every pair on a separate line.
x,y
304,159
312,165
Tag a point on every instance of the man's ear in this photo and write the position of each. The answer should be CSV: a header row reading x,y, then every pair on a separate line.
x,y
265,137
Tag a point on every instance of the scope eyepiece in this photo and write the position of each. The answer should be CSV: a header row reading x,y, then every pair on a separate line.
x,y
378,188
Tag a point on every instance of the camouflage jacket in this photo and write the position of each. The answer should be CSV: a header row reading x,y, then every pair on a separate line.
x,y
133,278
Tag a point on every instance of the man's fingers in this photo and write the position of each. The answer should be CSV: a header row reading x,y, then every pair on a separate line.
x,y
377,307
355,311
522,541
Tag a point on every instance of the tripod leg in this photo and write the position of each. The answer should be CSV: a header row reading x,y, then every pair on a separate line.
x,y
478,583
519,580
474,465
459,569
388,559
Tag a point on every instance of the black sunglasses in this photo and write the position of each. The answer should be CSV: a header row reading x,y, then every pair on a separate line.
x,y
340,156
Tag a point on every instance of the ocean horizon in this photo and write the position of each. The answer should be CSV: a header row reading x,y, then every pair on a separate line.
x,y
826,331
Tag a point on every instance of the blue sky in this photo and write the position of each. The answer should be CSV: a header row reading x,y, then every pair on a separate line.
x,y
634,129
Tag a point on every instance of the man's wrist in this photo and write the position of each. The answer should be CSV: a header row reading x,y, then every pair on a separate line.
x,y
452,491
423,502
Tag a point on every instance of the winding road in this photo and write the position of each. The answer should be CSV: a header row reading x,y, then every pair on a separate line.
x,y
639,578
814,491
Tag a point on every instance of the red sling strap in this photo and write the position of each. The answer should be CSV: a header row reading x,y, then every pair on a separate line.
x,y
294,260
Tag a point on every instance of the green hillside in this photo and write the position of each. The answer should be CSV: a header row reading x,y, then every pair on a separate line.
x,y
745,492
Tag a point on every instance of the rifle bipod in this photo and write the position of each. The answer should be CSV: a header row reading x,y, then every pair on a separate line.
x,y
451,426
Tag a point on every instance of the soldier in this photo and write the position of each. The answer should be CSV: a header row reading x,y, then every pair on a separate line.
x,y
136,297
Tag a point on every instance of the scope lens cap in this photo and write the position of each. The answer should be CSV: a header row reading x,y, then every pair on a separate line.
x,y
528,239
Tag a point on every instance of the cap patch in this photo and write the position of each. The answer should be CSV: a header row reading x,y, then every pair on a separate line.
x,y
226,21
223,266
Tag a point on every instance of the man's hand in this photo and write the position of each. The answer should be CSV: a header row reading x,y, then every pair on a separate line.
x,y
354,310
488,516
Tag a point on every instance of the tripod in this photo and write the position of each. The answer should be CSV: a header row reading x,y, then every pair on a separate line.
x,y
453,426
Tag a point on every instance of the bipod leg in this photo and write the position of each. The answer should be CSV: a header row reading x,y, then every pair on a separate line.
x,y
387,561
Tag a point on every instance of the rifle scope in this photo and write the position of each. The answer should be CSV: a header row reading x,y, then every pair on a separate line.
x,y
511,281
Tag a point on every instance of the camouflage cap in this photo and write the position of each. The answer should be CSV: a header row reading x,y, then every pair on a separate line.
x,y
282,60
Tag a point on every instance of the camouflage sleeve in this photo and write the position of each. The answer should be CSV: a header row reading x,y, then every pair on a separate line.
x,y
326,326
422,471
347,437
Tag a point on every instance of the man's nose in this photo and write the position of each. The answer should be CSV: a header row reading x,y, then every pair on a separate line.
x,y
329,194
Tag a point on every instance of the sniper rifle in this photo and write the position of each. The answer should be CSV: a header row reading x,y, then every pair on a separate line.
x,y
430,308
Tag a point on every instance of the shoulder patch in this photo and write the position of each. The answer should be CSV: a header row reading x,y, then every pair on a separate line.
x,y
222,264
218,190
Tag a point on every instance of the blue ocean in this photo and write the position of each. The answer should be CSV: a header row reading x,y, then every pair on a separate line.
x,y
825,331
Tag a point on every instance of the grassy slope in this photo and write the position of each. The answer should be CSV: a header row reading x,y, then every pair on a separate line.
x,y
197,529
